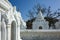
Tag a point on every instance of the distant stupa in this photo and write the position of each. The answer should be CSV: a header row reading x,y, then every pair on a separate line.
x,y
40,22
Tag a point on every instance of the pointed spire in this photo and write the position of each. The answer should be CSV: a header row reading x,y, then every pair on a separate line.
x,y
40,16
14,8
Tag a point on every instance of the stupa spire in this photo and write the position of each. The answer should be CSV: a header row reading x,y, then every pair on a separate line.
x,y
40,16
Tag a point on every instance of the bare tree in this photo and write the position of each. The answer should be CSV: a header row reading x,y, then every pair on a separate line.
x,y
32,13
51,17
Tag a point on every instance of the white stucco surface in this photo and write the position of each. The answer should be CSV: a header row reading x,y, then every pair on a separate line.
x,y
12,21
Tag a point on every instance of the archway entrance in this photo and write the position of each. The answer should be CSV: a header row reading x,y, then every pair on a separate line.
x,y
40,27
13,30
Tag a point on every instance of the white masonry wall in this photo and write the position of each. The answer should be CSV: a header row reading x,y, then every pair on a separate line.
x,y
40,34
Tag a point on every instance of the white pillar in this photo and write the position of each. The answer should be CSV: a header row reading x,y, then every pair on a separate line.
x,y
8,29
0,25
15,32
18,33
0,30
3,30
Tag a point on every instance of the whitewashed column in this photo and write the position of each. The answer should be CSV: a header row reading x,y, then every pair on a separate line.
x,y
18,33
3,30
0,25
0,30
8,28
15,32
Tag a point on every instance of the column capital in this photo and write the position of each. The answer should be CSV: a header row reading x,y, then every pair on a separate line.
x,y
8,26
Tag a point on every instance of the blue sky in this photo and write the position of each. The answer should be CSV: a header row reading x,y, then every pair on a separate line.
x,y
25,5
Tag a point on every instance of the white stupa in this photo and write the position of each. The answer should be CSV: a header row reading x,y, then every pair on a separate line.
x,y
40,22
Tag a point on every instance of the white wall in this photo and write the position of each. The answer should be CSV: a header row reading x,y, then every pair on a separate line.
x,y
40,34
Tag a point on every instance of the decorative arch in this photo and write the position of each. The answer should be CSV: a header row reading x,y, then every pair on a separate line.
x,y
13,30
40,27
